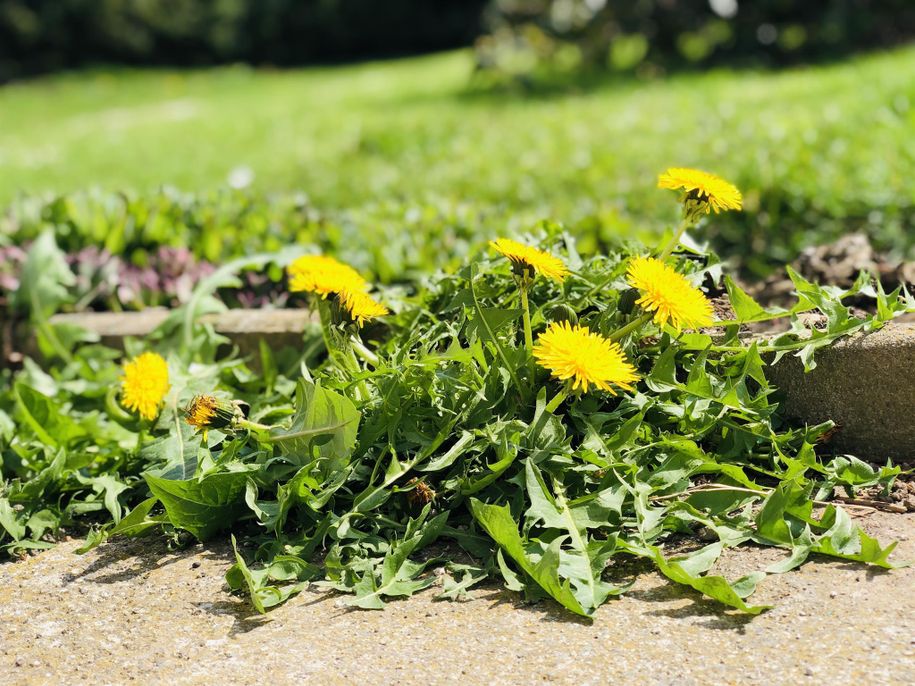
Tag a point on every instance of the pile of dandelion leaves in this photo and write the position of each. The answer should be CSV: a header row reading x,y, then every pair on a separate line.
x,y
537,416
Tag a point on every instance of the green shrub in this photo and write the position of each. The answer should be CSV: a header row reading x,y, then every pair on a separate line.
x,y
538,38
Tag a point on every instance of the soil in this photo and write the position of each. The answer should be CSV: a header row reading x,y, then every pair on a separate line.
x,y
134,612
837,264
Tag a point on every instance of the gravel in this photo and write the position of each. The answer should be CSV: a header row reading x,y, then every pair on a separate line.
x,y
134,612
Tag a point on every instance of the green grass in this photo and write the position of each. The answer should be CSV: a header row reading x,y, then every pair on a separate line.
x,y
832,145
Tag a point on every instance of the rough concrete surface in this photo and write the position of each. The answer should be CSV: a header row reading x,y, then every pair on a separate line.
x,y
132,612
865,383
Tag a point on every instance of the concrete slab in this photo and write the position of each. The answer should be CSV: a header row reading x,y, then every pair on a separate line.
x,y
134,612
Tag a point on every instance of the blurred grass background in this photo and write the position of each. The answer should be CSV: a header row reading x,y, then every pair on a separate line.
x,y
564,110
819,149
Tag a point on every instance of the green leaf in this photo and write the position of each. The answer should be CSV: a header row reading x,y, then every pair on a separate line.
x,y
43,416
201,507
498,523
325,426
110,487
10,522
490,320
456,588
264,594
746,308
399,575
138,521
663,375
715,587
134,523
46,280
847,541
488,334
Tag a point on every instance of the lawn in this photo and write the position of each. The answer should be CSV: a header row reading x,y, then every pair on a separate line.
x,y
829,147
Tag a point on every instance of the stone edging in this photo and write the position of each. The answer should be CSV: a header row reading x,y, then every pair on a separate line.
x,y
866,383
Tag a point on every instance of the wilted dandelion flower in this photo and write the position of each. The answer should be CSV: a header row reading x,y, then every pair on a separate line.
x,y
527,260
668,294
144,384
706,191
324,276
421,493
209,412
361,307
575,354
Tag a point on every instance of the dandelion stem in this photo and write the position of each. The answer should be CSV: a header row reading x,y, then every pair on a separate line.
x,y
367,355
600,285
325,332
630,327
550,408
675,240
526,313
556,401
253,426
362,391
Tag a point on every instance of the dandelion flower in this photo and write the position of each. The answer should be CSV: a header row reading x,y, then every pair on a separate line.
x,y
208,412
575,354
323,276
144,384
709,191
527,260
361,306
668,294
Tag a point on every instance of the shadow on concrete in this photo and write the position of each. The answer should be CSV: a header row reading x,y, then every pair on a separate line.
x,y
714,615
244,617
143,556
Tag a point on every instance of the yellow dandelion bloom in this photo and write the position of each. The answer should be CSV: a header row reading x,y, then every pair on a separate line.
x,y
361,306
668,294
713,192
144,384
323,275
208,412
575,354
528,259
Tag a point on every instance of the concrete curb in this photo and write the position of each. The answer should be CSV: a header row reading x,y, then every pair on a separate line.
x,y
866,383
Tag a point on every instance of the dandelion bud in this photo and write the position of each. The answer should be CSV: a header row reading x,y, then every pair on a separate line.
x,y
627,300
563,313
209,412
